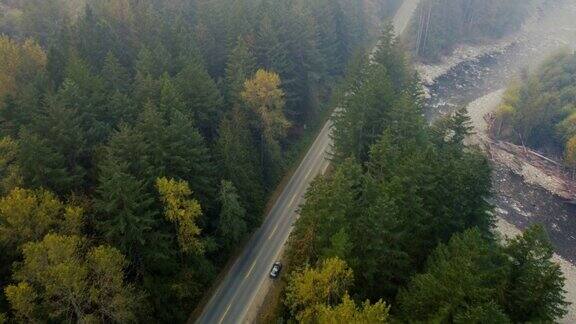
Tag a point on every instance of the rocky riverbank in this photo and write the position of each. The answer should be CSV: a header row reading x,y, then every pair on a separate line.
x,y
476,80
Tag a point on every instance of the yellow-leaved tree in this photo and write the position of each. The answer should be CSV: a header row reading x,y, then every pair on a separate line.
x,y
182,211
507,109
319,295
263,95
570,152
19,63
311,287
349,312
27,215
62,279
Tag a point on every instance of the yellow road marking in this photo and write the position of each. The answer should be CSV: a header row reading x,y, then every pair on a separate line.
x,y
225,313
308,174
251,268
273,231
292,201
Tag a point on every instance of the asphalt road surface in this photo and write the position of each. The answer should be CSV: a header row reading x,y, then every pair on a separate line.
x,y
237,291
235,295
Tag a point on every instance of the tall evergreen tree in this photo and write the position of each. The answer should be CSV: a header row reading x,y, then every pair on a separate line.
x,y
125,210
201,96
240,161
232,225
536,289
240,67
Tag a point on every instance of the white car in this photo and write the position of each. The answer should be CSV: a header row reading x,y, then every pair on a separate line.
x,y
275,272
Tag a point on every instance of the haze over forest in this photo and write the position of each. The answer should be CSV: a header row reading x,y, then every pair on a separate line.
x,y
158,156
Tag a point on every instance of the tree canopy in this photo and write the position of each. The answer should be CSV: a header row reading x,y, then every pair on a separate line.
x,y
146,136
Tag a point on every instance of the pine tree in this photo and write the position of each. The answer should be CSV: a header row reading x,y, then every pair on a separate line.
x,y
332,44
390,55
232,225
468,273
272,52
536,288
240,67
363,116
331,204
201,96
9,170
171,101
42,166
115,74
86,93
61,127
175,149
125,210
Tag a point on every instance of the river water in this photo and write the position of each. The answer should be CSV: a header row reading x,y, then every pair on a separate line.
x,y
516,202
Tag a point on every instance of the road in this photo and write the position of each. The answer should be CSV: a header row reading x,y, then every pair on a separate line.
x,y
236,294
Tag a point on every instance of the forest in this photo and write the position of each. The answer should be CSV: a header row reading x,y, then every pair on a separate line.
x,y
140,141
440,25
401,230
539,108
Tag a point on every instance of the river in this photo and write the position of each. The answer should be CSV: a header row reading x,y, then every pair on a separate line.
x,y
517,204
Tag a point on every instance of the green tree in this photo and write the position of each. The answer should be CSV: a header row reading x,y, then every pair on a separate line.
x,y
240,161
42,166
240,67
115,74
171,101
362,118
536,287
393,58
469,273
330,204
9,169
232,225
125,209
84,92
201,96
61,128
174,148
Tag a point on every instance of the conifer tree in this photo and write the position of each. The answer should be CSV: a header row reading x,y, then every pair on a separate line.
x,y
201,96
232,225
42,166
240,67
536,289
467,274
240,161
125,210
115,74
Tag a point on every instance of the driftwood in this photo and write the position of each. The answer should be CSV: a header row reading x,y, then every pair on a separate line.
x,y
533,166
